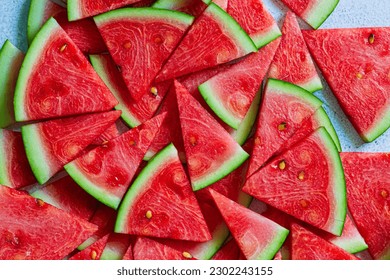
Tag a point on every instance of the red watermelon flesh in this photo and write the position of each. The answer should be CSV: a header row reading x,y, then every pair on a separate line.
x,y
305,245
92,252
211,152
355,62
110,133
57,80
229,251
160,202
255,19
65,194
292,62
231,92
140,40
116,247
368,181
284,108
15,171
149,249
32,229
306,181
52,144
106,171
129,253
191,7
78,9
133,112
314,12
197,52
257,236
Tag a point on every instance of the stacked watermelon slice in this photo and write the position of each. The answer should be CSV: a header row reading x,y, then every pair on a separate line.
x,y
189,130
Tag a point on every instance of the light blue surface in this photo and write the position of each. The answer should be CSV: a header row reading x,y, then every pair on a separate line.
x,y
13,18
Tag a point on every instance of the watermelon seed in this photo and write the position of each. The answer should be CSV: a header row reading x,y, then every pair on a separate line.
x,y
119,68
301,175
154,91
40,202
187,255
304,203
384,194
62,49
359,75
282,126
127,45
282,165
93,255
193,140
371,38
132,142
158,40
257,141
148,214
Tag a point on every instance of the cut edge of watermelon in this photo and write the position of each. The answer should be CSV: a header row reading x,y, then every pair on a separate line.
x,y
232,28
352,246
35,13
33,54
127,116
35,153
323,118
4,176
378,128
317,16
313,85
260,40
240,156
209,248
74,10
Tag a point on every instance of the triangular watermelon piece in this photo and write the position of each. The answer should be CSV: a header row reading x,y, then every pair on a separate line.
x,y
57,80
211,152
231,92
78,9
15,170
191,7
305,245
133,112
11,59
37,231
255,19
65,194
306,181
292,62
160,202
106,171
257,236
140,40
52,144
284,109
314,12
368,177
92,252
116,246
149,249
355,65
197,52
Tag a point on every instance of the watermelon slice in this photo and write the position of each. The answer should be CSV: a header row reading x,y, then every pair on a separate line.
x,y
231,92
37,231
52,144
368,177
284,109
211,153
11,59
255,19
133,112
354,61
149,249
57,80
306,181
140,40
116,246
192,7
257,237
65,194
15,171
197,52
84,33
292,62
78,9
162,191
106,172
305,245
314,12
92,252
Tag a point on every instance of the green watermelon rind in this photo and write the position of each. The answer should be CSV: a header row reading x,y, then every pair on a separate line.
x,y
137,187
316,17
32,57
144,13
245,127
323,118
74,10
313,85
4,175
378,128
261,40
353,245
232,28
95,190
126,115
9,55
274,245
35,153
